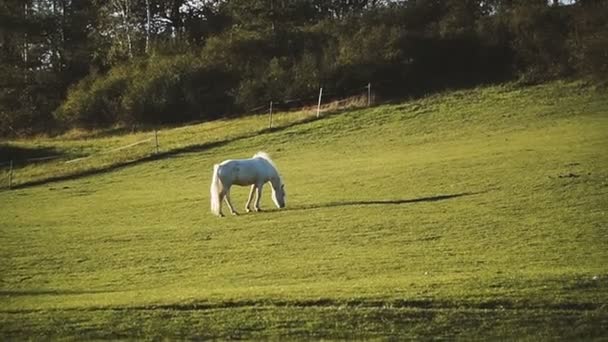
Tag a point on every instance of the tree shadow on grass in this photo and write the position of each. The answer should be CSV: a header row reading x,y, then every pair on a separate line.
x,y
435,198
21,155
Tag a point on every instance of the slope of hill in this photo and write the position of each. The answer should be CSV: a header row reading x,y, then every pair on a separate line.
x,y
478,213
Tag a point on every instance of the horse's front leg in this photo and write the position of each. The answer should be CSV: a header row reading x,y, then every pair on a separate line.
x,y
258,197
251,193
227,198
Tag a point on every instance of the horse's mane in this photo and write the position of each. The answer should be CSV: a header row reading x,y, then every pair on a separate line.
x,y
266,157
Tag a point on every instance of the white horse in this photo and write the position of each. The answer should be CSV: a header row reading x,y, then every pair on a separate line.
x,y
256,172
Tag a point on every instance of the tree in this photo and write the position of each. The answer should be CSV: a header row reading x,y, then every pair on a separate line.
x,y
588,39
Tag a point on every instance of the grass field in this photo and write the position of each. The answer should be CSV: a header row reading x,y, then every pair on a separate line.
x,y
472,214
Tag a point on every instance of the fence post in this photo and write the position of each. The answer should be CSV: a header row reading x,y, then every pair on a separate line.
x,y
156,139
319,105
270,124
369,94
10,175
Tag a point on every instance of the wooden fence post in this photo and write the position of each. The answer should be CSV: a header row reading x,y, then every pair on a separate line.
x,y
156,139
319,105
10,175
270,123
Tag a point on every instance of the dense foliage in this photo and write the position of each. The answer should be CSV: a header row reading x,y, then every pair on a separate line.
x,y
92,63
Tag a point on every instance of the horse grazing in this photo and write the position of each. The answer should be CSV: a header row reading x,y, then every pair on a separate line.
x,y
256,172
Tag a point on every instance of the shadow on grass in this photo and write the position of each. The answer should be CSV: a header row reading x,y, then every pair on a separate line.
x,y
384,202
329,303
21,155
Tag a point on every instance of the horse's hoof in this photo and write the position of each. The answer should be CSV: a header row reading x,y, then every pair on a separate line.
x,y
258,209
234,213
247,210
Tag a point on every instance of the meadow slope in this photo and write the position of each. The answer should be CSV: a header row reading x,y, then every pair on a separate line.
x,y
470,214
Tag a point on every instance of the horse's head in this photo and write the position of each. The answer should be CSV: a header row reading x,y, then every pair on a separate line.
x,y
278,196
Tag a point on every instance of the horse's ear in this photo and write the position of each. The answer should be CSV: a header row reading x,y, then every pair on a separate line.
x,y
282,186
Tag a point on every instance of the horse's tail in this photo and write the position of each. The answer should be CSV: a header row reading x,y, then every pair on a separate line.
x,y
216,188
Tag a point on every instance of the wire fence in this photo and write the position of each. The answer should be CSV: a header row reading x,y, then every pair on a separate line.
x,y
22,171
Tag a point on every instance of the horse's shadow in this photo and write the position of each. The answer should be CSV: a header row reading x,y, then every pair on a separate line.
x,y
382,202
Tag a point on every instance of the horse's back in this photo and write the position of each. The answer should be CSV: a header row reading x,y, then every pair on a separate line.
x,y
242,171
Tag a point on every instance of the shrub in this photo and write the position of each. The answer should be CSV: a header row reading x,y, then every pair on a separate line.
x,y
588,40
177,89
95,101
163,90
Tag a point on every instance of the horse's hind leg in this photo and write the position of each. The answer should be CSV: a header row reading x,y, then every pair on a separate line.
x,y
222,196
251,193
227,198
258,197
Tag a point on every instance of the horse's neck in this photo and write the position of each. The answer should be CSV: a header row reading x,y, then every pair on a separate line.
x,y
275,179
272,174
275,182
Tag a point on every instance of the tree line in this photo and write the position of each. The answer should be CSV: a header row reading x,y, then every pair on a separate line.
x,y
94,63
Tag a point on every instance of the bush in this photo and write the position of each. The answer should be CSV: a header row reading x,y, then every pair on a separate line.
x,y
162,90
95,101
177,89
589,39
539,39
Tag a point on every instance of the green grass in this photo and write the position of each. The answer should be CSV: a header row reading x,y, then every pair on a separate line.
x,y
469,214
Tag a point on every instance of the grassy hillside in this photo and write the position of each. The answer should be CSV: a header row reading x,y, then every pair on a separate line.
x,y
478,213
